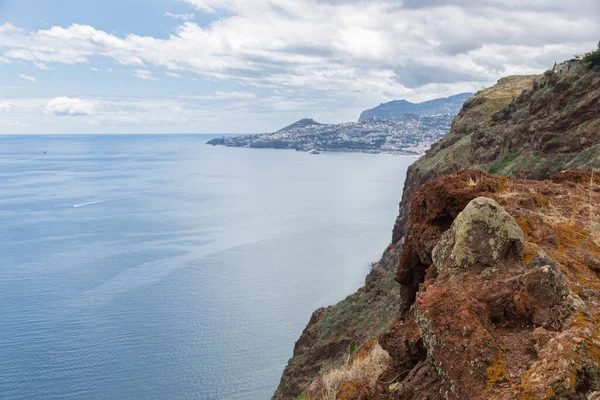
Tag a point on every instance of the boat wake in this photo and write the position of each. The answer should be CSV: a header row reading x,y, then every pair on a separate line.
x,y
89,203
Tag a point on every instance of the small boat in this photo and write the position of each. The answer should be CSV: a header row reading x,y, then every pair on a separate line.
x,y
313,151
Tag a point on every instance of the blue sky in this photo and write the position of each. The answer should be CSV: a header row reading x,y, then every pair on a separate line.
x,y
240,66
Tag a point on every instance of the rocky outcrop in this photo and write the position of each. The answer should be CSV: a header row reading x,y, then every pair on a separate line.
x,y
506,308
498,275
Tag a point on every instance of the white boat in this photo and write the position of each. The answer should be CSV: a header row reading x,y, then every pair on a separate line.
x,y
313,151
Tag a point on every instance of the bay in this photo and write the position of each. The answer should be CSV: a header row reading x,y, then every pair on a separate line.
x,y
156,267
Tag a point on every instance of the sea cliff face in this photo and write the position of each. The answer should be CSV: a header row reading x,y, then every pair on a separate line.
x,y
489,288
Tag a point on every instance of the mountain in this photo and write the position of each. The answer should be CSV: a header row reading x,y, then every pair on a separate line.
x,y
303,123
393,109
489,288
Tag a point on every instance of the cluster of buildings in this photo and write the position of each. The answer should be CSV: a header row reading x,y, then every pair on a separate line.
x,y
568,65
408,134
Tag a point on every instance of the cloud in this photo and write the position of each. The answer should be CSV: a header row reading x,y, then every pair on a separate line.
x,y
41,66
144,74
28,77
68,106
333,55
182,17
380,49
210,111
173,75
94,69
6,106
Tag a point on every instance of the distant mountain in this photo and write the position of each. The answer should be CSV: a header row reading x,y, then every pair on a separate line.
x,y
393,109
303,123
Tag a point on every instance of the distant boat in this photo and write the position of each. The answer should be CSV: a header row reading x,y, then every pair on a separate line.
x,y
313,151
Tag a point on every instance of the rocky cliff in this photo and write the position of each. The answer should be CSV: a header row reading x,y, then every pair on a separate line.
x,y
489,288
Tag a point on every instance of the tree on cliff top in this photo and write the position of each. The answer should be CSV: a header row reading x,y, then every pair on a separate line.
x,y
592,59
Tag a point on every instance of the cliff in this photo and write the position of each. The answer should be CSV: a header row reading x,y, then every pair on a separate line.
x,y
397,108
489,288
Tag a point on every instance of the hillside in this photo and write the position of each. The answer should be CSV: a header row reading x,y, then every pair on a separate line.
x,y
303,123
496,250
394,109
408,134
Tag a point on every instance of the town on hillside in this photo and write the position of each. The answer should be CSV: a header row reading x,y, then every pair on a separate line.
x,y
399,127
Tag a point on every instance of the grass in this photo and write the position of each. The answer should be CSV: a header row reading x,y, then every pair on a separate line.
x,y
503,93
587,159
364,369
358,312
499,165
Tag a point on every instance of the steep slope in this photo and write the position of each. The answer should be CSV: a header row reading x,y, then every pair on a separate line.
x,y
397,108
525,127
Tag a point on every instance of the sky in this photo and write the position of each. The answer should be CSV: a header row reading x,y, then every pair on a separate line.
x,y
247,66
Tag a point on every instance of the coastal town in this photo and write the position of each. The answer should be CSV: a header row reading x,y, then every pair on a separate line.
x,y
406,134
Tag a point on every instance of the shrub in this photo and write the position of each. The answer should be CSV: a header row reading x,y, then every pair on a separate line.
x,y
592,59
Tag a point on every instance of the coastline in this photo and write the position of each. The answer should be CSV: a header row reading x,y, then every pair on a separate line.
x,y
389,152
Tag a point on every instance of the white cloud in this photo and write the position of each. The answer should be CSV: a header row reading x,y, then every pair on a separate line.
x,y
41,66
94,69
182,17
173,75
202,112
68,106
144,74
28,77
376,50
342,46
6,106
330,58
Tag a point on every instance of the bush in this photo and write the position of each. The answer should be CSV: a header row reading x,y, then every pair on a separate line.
x,y
592,59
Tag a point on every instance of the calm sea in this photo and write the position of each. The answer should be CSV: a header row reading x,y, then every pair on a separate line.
x,y
156,267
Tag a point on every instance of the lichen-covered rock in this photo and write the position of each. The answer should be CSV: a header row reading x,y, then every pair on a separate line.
x,y
482,235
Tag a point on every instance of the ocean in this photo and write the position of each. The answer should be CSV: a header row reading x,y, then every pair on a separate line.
x,y
157,267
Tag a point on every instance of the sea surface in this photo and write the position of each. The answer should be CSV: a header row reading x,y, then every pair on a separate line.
x,y
157,267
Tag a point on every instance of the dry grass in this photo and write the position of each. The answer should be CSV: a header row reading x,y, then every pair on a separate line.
x,y
594,226
365,369
471,182
501,94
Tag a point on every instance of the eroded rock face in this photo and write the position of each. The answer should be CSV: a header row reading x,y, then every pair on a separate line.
x,y
481,280
497,313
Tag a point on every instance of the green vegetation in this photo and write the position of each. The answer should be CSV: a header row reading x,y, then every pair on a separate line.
x,y
499,165
357,313
545,167
592,59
